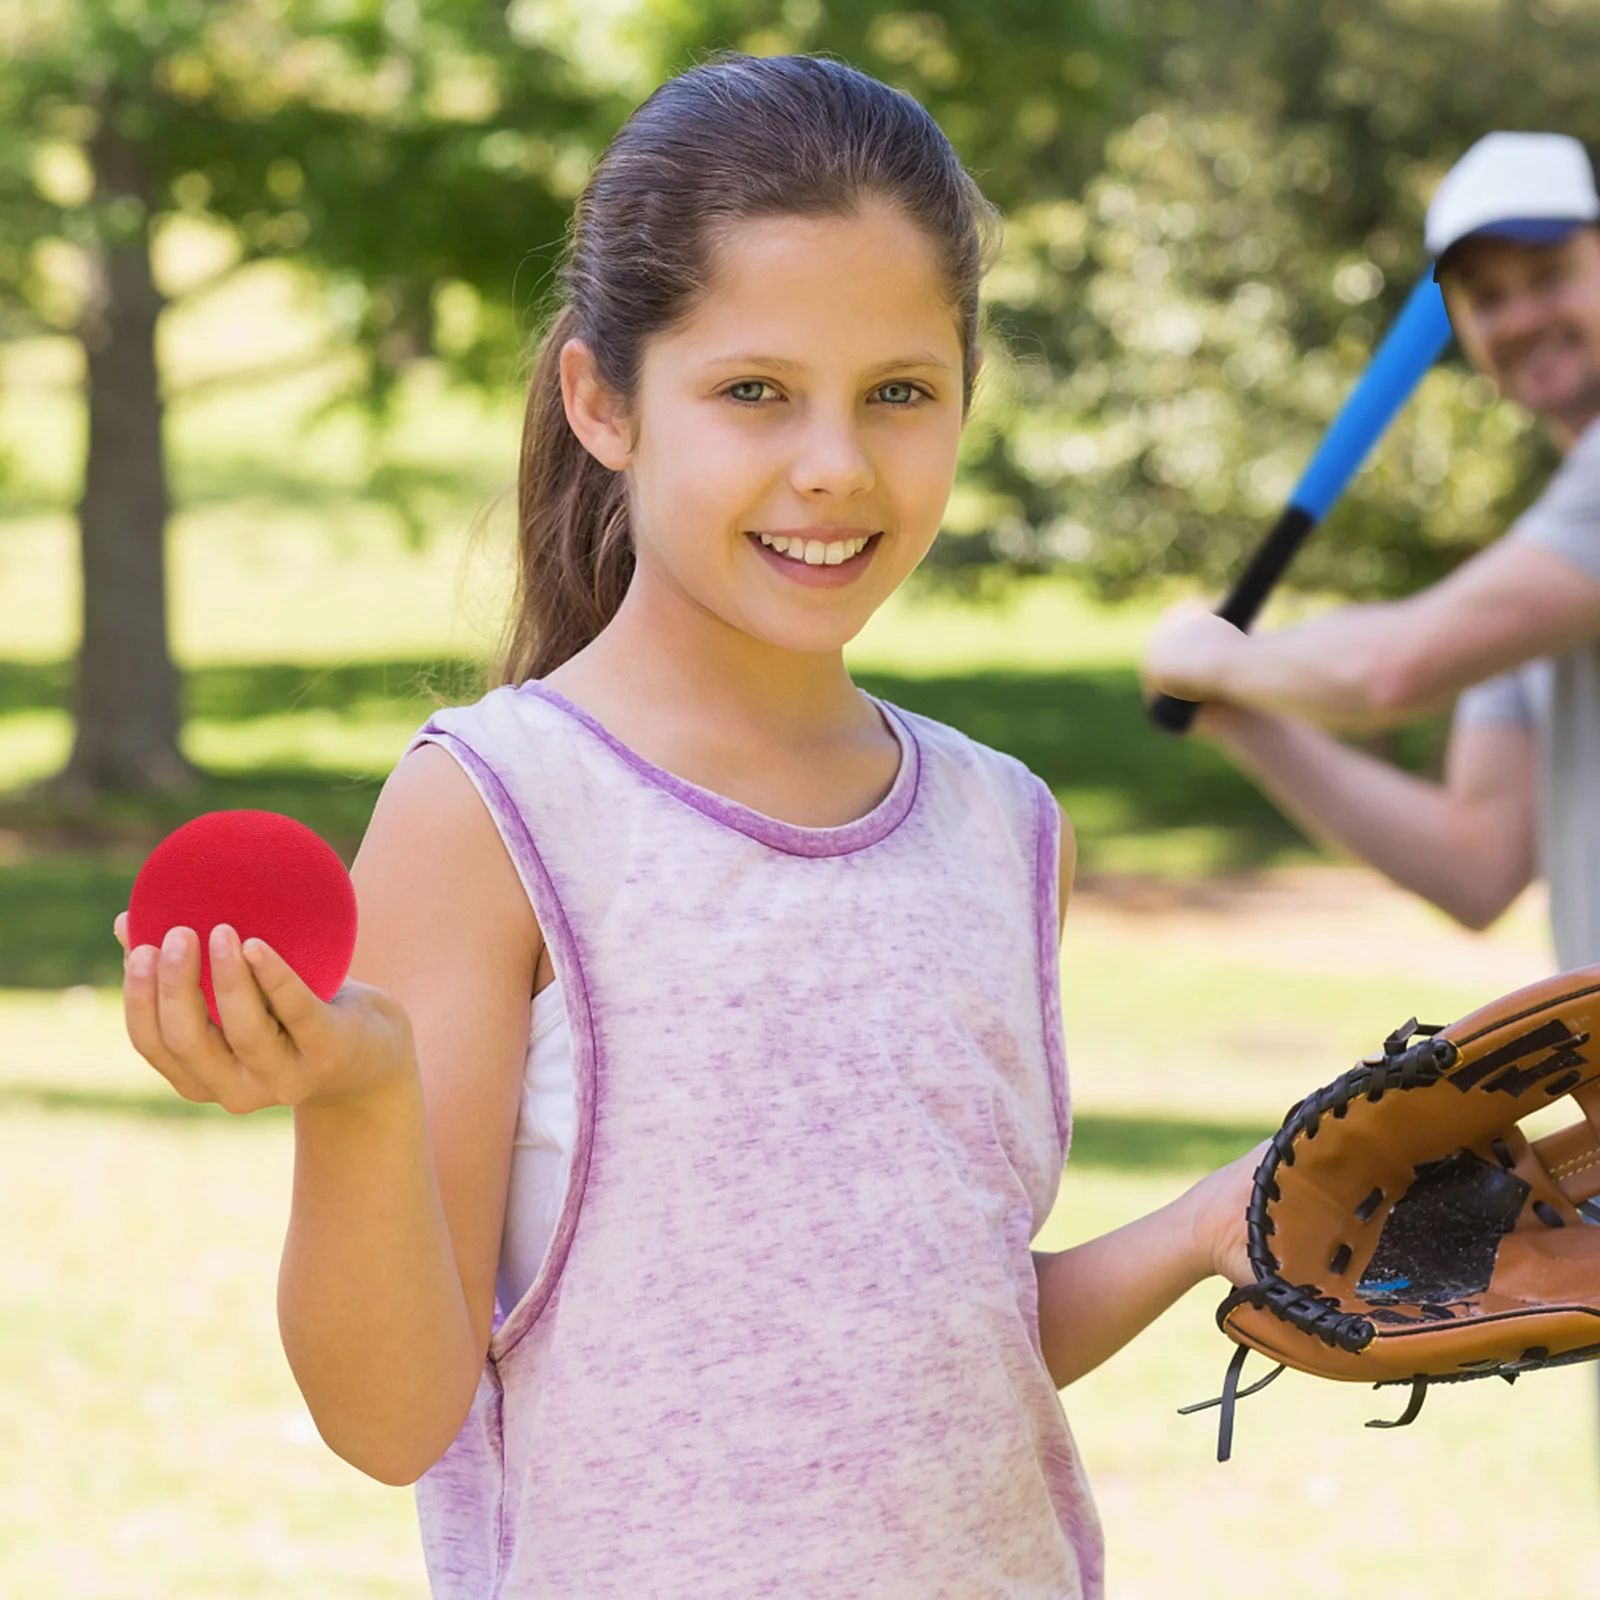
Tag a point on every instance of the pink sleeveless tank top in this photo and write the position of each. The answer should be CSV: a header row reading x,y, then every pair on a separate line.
x,y
785,1337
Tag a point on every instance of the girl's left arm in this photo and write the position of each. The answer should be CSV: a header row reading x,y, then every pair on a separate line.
x,y
1096,1296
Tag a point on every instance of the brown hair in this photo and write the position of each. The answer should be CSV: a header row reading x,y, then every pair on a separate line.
x,y
736,138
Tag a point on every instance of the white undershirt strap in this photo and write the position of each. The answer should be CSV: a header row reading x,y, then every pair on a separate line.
x,y
542,1149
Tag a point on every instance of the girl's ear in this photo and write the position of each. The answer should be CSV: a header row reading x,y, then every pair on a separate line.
x,y
594,412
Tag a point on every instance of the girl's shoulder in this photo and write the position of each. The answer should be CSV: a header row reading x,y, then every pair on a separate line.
x,y
941,745
507,711
513,734
971,793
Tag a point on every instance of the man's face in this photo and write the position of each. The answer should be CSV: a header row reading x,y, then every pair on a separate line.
x,y
1529,317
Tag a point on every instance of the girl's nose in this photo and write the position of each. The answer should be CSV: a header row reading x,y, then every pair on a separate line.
x,y
832,462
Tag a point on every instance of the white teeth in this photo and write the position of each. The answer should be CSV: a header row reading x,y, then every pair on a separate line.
x,y
814,552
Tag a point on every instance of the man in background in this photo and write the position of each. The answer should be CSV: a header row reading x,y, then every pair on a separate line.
x,y
1514,632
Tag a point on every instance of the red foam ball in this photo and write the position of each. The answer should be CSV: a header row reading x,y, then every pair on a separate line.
x,y
266,876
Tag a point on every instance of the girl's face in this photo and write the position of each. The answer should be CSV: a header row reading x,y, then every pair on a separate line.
x,y
792,444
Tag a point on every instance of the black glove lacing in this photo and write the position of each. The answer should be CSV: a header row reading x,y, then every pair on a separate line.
x,y
1403,1065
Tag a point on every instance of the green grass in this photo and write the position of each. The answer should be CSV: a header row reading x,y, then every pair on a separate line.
x,y
315,742
160,1428
152,1443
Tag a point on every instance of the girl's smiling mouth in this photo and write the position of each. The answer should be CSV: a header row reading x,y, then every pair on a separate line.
x,y
817,555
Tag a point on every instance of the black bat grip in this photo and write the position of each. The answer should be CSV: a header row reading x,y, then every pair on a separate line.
x,y
1173,715
1243,603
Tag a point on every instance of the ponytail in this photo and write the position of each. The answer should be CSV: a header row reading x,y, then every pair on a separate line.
x,y
575,552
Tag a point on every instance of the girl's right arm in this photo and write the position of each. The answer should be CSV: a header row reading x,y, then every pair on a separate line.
x,y
386,1291
404,1111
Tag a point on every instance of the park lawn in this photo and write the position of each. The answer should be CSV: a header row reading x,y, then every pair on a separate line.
x,y
152,1443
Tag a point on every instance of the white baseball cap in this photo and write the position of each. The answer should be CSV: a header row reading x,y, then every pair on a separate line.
x,y
1533,187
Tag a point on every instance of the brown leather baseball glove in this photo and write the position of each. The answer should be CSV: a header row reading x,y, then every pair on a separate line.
x,y
1402,1228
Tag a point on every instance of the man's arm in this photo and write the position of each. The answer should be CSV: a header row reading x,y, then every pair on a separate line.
x,y
1372,665
1467,844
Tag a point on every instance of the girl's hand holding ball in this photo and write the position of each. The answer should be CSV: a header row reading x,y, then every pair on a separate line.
x,y
233,1022
277,1043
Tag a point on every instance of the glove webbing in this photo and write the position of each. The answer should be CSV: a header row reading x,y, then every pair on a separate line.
x,y
1402,1066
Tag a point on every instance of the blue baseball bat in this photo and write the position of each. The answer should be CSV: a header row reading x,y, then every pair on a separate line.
x,y
1412,345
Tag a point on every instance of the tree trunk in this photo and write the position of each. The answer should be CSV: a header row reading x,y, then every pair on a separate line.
x,y
126,695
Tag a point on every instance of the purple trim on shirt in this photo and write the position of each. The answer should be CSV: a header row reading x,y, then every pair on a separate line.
x,y
563,946
1047,914
505,1529
788,837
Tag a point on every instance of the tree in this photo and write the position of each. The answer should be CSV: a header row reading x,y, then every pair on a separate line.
x,y
403,146
1214,292
1203,305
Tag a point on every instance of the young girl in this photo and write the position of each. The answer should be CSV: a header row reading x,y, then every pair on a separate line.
x,y
708,1275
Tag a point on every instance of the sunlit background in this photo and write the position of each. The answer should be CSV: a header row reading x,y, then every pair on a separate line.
x,y
339,219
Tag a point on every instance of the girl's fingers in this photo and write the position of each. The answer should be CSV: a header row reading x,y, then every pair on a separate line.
x,y
141,1015
180,1006
252,1031
120,928
194,1042
303,1016
277,1042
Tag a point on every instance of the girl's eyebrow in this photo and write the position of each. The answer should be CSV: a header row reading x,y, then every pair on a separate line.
x,y
751,358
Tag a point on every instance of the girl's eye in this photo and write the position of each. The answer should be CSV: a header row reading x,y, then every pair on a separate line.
x,y
899,393
748,391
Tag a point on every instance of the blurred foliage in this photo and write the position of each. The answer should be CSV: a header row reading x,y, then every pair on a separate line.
x,y
403,148
420,157
1182,330
1213,211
